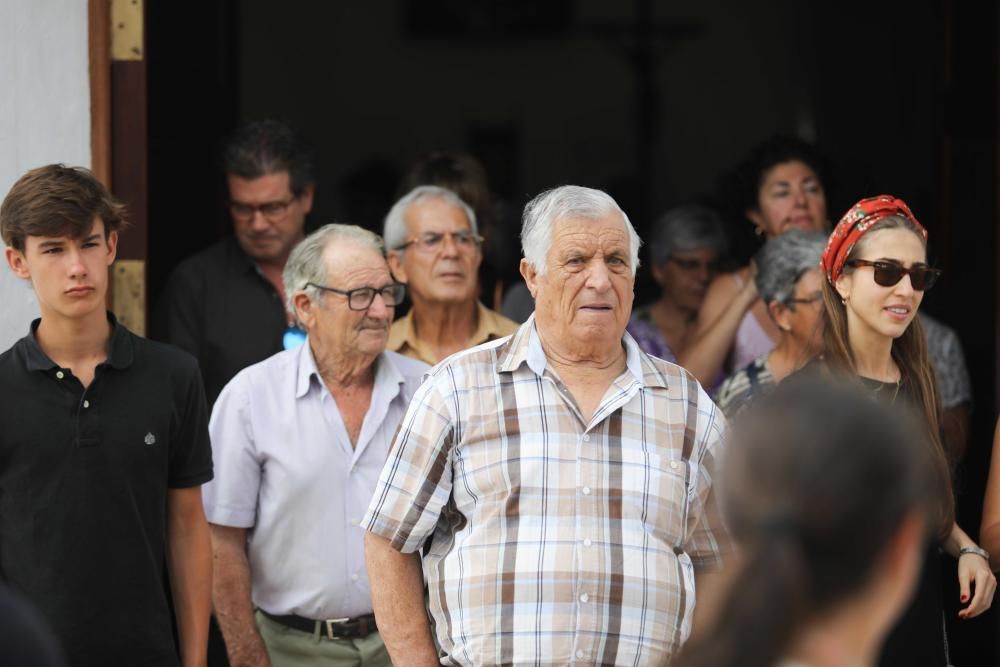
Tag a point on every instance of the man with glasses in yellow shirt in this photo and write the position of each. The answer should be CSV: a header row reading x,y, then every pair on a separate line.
x,y
435,248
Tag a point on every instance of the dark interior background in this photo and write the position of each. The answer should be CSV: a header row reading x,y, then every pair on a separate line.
x,y
651,101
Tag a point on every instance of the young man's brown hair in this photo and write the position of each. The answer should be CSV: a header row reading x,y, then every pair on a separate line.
x,y
56,200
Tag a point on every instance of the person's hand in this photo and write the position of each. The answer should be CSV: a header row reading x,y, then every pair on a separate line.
x,y
975,577
748,294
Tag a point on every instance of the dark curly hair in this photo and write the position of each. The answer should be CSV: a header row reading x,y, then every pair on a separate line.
x,y
739,189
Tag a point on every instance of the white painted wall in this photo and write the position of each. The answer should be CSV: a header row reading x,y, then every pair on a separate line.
x,y
44,114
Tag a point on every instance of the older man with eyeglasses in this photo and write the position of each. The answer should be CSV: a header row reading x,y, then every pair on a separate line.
x,y
298,441
435,248
225,304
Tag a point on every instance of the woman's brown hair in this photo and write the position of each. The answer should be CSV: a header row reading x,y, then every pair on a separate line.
x,y
909,352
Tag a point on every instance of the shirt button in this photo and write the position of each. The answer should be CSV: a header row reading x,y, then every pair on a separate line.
x,y
60,375
587,542
586,438
586,490
86,404
674,465
584,597
354,577
580,654
354,522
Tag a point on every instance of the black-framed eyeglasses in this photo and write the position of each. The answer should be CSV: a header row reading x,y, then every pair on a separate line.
x,y
887,274
361,298
432,242
271,210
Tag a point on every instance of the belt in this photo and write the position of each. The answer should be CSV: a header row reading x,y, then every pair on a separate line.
x,y
331,628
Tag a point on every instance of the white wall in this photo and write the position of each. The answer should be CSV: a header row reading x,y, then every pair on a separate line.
x,y
44,113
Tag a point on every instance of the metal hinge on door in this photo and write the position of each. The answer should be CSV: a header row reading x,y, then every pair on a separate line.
x,y
126,30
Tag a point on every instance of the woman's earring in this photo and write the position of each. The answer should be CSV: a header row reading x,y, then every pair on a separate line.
x,y
758,231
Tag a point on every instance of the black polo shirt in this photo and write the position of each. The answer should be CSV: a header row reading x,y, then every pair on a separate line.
x,y
218,306
84,476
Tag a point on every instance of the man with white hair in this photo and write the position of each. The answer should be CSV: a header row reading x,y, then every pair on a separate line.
x,y
299,440
558,481
435,248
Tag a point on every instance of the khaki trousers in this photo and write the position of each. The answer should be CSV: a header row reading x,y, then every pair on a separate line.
x,y
288,647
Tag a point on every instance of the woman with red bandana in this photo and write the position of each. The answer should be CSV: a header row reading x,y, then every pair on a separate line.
x,y
876,270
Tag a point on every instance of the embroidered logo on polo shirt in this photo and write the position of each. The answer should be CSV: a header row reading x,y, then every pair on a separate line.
x,y
150,439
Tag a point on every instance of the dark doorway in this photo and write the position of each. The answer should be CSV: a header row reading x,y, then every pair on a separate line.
x,y
650,101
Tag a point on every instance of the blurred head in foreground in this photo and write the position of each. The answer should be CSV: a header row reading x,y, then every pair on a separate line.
x,y
827,495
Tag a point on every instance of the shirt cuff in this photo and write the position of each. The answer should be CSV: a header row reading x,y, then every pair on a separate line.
x,y
188,480
233,518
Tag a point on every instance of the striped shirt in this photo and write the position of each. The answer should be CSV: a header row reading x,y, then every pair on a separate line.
x,y
548,540
742,387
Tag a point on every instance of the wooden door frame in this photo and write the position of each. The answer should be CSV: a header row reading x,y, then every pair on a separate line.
x,y
99,46
119,149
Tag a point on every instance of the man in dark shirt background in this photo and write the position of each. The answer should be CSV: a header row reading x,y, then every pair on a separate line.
x,y
226,304
104,446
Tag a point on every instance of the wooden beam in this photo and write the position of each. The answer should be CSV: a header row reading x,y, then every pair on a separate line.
x,y
99,46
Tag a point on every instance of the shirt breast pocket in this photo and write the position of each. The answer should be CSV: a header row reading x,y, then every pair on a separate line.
x,y
655,495
141,447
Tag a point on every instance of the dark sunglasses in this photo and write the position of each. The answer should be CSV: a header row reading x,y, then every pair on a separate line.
x,y
888,274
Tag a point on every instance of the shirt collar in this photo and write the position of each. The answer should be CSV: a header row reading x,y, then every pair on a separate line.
x,y
306,369
525,346
242,260
489,325
388,377
401,333
386,372
244,263
120,352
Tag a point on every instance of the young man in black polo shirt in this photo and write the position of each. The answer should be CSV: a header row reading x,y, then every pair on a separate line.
x,y
103,445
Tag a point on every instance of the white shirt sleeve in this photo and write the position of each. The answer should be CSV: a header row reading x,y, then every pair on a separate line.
x,y
230,499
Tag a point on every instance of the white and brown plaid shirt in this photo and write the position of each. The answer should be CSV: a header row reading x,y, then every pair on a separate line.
x,y
554,541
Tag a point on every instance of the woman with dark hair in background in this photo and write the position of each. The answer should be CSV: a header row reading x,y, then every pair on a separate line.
x,y
778,188
791,286
826,496
686,247
876,274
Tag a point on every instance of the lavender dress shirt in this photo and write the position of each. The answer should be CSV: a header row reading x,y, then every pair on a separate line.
x,y
286,470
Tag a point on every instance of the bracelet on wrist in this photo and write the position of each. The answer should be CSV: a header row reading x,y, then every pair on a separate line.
x,y
978,551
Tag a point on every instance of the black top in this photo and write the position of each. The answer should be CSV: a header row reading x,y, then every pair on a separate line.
x,y
219,307
917,639
84,475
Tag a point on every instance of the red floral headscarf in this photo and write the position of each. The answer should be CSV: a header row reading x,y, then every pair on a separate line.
x,y
853,226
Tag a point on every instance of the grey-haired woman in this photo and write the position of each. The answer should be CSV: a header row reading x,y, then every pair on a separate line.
x,y
791,286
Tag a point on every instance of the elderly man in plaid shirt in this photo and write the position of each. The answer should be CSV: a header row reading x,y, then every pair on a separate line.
x,y
552,489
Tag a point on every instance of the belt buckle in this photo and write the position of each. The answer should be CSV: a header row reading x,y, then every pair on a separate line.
x,y
330,623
